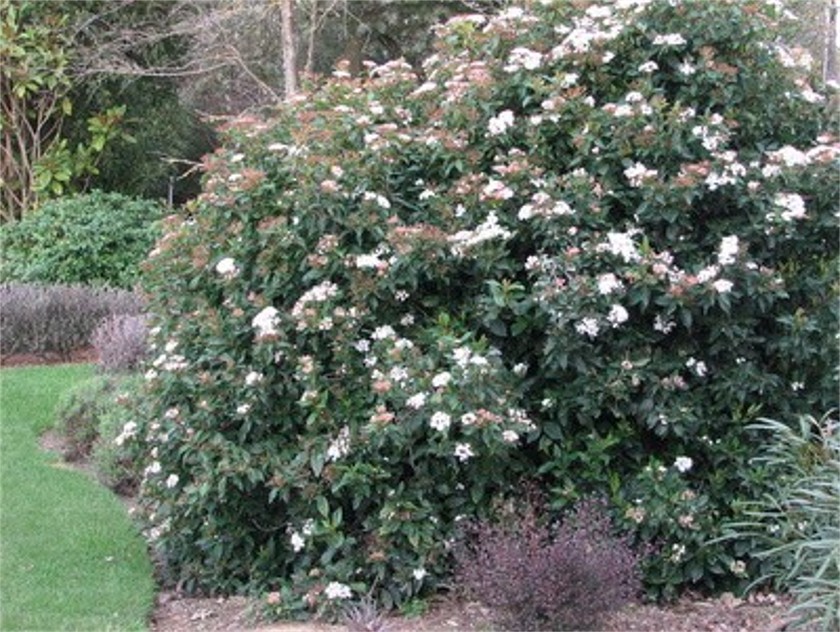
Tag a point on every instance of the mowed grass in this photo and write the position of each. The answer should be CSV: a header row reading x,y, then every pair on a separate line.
x,y
70,559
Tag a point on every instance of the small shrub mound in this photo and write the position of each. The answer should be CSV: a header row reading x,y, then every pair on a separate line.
x,y
95,239
57,319
120,343
96,419
535,576
591,245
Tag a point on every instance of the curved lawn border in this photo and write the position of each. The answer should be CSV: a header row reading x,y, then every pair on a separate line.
x,y
70,558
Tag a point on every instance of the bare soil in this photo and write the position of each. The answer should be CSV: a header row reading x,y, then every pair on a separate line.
x,y
178,613
87,354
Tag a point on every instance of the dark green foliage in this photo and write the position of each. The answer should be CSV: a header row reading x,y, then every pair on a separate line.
x,y
96,239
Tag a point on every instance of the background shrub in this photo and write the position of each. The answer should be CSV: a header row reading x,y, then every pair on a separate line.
x,y
535,576
96,238
56,319
120,342
588,249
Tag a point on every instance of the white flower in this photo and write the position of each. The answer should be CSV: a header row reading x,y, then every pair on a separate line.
x,y
683,464
340,446
468,419
335,590
587,327
663,324
129,430
637,174
440,421
621,245
380,200
243,409
441,379
419,574
172,481
686,68
520,369
617,315
416,401
227,268
253,378
728,250
649,67
383,332
266,322
521,57
500,123
150,375
608,283
463,451
509,436
723,286
671,39
172,413
297,541
793,204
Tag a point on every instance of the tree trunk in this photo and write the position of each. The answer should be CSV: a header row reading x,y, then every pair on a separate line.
x,y
287,42
830,68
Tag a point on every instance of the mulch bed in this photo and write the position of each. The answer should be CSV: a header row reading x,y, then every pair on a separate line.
x,y
76,356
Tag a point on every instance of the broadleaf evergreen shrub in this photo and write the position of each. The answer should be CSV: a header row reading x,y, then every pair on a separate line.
x,y
589,248
94,238
57,319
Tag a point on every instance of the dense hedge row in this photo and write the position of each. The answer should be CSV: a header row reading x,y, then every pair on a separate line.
x,y
589,247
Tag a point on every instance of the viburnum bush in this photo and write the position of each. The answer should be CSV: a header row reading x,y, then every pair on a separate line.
x,y
585,247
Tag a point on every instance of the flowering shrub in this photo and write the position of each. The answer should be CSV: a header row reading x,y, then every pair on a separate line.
x,y
594,241
536,576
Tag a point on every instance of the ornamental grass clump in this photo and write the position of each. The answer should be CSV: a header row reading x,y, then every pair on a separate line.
x,y
796,524
588,245
538,576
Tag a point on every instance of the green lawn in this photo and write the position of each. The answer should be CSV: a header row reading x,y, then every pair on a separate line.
x,y
70,558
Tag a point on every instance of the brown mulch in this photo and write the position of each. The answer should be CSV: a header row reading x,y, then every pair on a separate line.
x,y
76,356
764,613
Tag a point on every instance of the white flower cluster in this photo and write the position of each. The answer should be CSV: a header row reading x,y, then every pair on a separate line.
x,y
669,39
489,229
227,268
542,205
336,590
638,174
340,446
792,205
129,430
621,245
501,123
521,57
683,464
440,421
728,251
266,322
